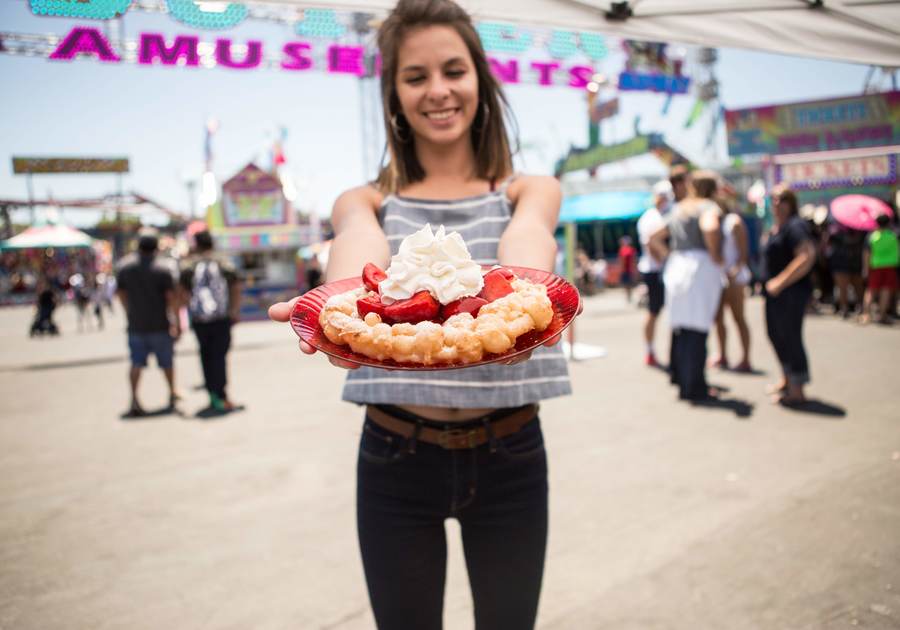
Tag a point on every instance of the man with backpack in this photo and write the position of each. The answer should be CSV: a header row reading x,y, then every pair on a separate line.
x,y
212,292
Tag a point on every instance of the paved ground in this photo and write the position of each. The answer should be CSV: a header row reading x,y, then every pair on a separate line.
x,y
663,516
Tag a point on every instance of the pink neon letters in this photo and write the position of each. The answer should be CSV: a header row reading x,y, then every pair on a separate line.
x,y
153,49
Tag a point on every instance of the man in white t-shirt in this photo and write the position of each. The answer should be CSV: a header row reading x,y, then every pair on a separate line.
x,y
652,220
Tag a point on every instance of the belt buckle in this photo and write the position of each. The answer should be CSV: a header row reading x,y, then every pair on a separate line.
x,y
469,437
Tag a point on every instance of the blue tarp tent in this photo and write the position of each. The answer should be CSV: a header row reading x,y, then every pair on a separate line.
x,y
604,206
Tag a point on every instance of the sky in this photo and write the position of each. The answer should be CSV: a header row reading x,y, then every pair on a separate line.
x,y
156,116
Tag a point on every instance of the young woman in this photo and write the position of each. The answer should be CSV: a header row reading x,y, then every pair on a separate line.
x,y
789,256
734,258
693,281
449,163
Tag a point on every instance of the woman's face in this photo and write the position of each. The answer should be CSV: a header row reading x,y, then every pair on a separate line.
x,y
781,210
437,85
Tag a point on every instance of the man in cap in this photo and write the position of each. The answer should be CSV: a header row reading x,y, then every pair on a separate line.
x,y
146,289
649,267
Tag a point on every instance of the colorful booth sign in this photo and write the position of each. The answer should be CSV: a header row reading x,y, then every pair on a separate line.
x,y
869,120
253,198
839,172
592,157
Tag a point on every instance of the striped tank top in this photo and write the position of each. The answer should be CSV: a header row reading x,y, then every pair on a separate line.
x,y
480,221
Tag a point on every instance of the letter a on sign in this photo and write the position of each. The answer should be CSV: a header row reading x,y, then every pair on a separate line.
x,y
85,41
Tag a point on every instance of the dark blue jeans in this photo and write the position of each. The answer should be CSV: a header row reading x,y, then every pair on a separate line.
x,y
214,340
497,492
784,323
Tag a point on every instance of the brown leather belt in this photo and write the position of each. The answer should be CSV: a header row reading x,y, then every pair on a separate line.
x,y
464,437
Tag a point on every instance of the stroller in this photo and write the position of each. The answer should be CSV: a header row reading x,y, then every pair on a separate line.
x,y
43,322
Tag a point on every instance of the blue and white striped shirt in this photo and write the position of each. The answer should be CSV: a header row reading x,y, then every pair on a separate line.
x,y
480,221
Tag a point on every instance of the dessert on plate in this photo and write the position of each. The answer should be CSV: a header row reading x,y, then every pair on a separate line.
x,y
434,305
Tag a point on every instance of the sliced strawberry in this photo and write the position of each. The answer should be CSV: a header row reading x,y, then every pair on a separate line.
x,y
370,304
503,271
496,284
418,308
469,305
372,274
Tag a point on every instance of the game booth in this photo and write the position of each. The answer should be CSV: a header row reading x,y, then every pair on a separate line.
x,y
824,149
254,224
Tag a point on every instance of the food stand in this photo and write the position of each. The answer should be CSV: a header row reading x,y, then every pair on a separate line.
x,y
254,224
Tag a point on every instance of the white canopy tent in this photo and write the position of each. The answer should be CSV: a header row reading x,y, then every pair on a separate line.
x,y
859,31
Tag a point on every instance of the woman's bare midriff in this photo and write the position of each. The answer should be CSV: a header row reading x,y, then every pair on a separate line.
x,y
447,414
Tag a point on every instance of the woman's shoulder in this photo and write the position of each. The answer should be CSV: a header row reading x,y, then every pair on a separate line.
x,y
366,197
542,184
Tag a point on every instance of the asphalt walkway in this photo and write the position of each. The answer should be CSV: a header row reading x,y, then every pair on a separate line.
x,y
663,515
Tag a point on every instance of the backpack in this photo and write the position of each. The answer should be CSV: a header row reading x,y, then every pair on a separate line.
x,y
209,295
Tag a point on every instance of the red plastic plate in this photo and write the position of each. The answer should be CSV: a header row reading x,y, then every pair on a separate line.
x,y
305,322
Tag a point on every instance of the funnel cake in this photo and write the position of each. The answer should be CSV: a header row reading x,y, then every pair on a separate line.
x,y
460,338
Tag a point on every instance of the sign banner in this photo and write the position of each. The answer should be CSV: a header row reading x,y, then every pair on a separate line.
x,y
862,171
23,165
869,120
581,159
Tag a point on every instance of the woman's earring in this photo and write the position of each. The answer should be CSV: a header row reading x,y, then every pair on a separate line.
x,y
395,130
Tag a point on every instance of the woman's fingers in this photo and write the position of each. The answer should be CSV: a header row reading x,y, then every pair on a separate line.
x,y
553,340
281,311
343,364
305,348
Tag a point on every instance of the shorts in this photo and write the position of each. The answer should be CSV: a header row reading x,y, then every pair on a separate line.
x,y
625,279
160,344
656,292
883,278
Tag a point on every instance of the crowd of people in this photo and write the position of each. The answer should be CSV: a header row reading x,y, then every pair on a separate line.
x,y
696,260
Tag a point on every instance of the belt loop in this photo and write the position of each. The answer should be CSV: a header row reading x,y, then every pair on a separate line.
x,y
415,437
492,441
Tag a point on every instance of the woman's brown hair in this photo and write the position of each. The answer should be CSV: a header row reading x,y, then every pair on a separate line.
x,y
703,184
490,143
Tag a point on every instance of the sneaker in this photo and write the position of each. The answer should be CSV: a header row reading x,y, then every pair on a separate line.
x,y
650,360
720,363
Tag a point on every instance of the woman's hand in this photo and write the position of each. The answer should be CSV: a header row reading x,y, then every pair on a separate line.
x,y
773,287
281,312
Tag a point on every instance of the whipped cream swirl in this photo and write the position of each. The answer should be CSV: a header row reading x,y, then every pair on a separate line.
x,y
435,262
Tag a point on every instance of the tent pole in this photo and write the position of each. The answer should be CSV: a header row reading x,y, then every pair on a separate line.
x,y
30,186
570,236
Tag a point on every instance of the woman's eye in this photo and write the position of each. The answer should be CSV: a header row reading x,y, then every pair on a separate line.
x,y
415,79
455,74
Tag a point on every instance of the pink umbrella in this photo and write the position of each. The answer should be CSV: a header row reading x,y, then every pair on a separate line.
x,y
858,211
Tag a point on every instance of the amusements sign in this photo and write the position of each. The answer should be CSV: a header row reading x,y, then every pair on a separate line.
x,y
320,40
23,165
869,120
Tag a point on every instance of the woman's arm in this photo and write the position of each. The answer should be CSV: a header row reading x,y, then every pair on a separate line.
x,y
528,239
804,258
712,233
743,246
358,238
